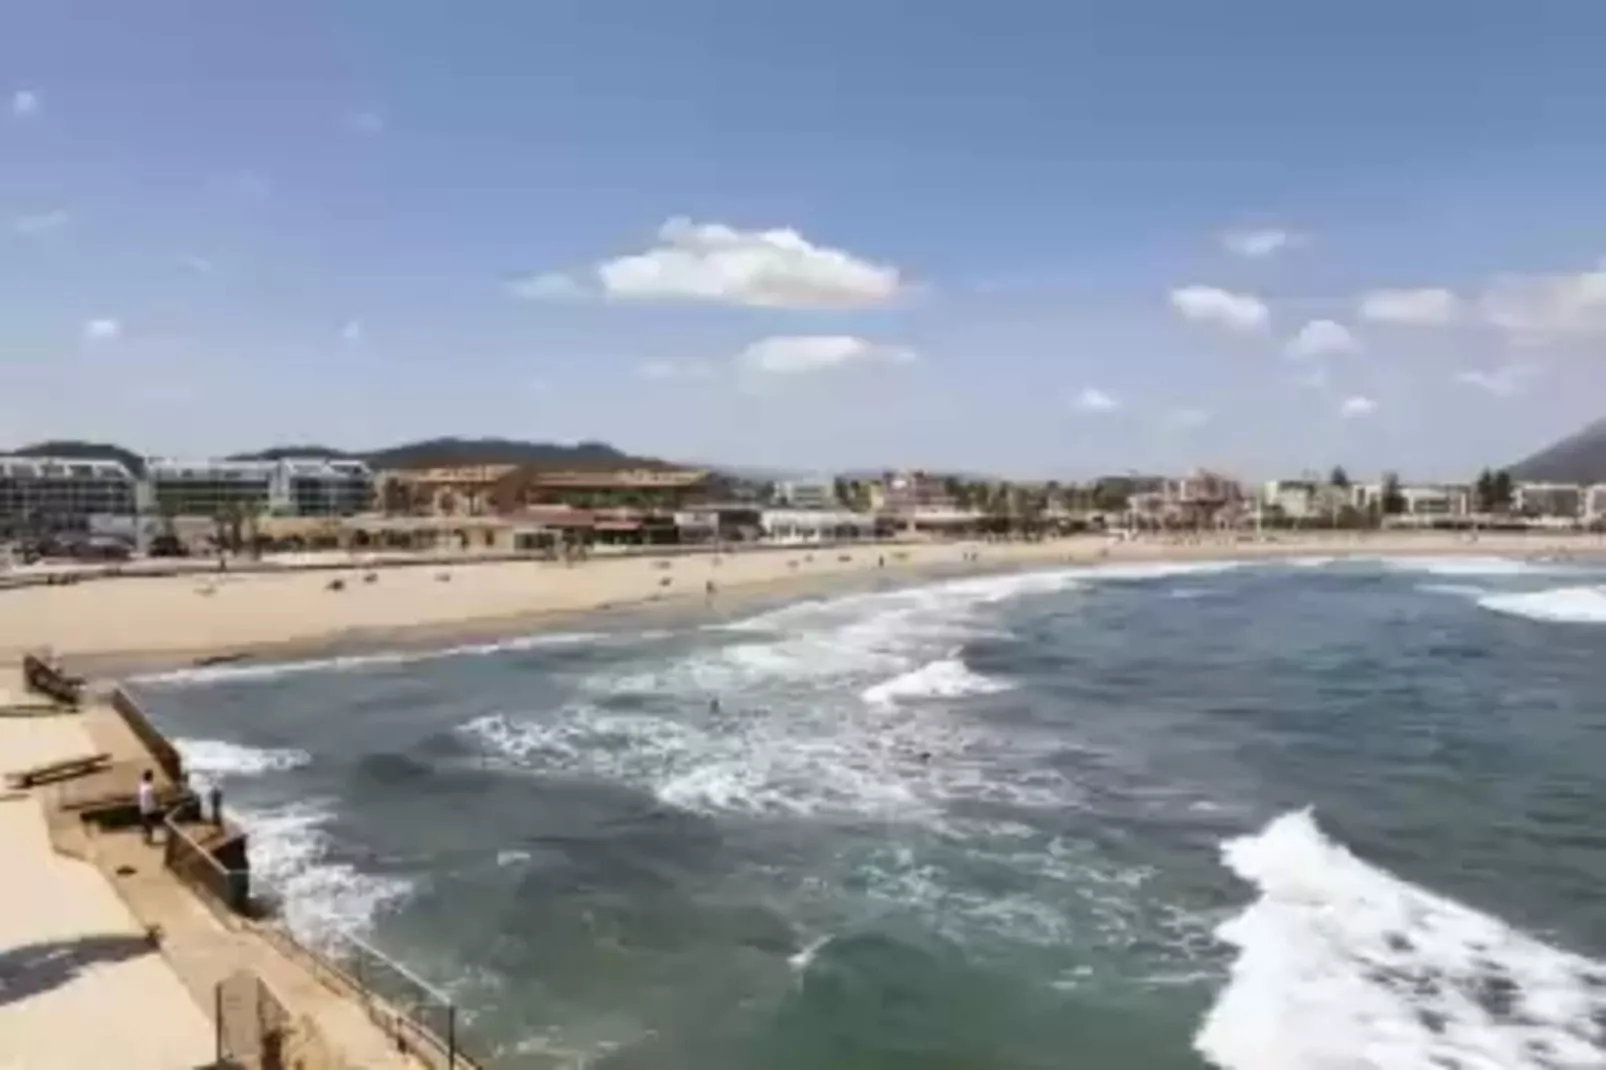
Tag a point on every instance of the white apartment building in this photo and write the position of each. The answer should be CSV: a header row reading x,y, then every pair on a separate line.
x,y
1419,499
41,495
1595,501
815,525
289,487
1564,500
1295,499
817,493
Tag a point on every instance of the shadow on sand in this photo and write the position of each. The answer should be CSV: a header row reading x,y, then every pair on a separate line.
x,y
34,968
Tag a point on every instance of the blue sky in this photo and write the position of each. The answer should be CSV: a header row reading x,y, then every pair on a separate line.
x,y
1034,238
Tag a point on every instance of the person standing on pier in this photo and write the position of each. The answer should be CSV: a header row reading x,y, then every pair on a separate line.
x,y
149,812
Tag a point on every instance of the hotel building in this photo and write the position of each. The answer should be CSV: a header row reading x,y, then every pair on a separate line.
x,y
44,495
288,487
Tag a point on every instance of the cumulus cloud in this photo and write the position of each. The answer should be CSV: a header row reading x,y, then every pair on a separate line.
x,y
1357,406
762,269
546,286
1499,382
1428,306
807,354
1541,308
1209,304
1321,338
1092,399
24,102
42,222
1257,244
102,330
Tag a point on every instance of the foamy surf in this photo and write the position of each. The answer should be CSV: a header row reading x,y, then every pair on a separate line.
x,y
1567,605
1481,566
270,670
290,859
947,677
1342,966
222,759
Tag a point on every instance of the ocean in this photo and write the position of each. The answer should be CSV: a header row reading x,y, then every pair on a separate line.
x,y
1307,815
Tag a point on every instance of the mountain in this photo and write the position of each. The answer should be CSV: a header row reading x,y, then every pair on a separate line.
x,y
432,453
1578,458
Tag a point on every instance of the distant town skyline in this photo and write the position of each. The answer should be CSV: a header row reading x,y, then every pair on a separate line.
x,y
1058,244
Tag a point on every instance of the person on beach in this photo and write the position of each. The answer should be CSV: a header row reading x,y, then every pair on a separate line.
x,y
149,812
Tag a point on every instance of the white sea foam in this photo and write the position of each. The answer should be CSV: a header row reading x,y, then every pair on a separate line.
x,y
222,759
269,670
947,677
289,855
1571,605
1482,566
1342,966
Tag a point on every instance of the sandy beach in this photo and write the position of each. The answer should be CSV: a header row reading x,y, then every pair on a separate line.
x,y
180,619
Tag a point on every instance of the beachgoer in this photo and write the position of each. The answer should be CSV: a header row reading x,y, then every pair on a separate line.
x,y
215,796
148,810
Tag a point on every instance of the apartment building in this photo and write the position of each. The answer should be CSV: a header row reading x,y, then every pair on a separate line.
x,y
817,493
301,486
45,495
1565,500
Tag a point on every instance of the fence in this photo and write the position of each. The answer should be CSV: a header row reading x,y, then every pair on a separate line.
x,y
412,1012
252,1024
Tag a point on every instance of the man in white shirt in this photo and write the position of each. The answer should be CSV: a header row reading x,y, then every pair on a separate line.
x,y
149,812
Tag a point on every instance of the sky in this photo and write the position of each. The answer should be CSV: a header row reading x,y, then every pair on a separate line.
x,y
1040,239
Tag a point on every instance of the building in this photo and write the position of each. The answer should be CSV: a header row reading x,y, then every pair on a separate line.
x,y
1564,500
648,489
293,486
1292,499
1424,501
815,525
44,495
1595,501
807,494
911,492
464,490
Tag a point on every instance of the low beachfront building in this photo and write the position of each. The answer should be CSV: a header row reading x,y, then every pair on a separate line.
x,y
48,495
1554,500
654,490
1595,502
458,490
815,525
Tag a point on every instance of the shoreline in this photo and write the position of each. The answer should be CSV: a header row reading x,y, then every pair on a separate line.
x,y
598,592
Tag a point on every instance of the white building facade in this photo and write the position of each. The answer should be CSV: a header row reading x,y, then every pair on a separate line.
x,y
42,495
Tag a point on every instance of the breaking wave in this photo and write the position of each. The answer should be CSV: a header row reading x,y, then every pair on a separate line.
x,y
222,759
1570,605
1342,966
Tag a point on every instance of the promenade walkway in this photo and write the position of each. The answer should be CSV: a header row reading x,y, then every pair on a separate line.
x,y
80,983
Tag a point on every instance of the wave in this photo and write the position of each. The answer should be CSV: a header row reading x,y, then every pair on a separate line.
x,y
1482,566
946,677
1342,965
321,896
271,670
222,759
1570,605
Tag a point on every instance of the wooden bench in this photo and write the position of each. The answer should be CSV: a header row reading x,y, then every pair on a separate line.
x,y
62,770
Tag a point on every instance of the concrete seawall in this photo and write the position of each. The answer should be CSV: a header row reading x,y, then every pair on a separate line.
x,y
259,996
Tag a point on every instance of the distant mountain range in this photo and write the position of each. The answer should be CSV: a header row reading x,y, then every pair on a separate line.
x,y
1578,458
430,453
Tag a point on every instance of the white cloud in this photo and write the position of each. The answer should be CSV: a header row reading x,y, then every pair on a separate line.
x,y
366,123
809,353
761,269
1092,399
1356,407
352,332
1540,308
1259,243
102,330
546,286
1500,382
1322,337
1208,304
24,102
676,369
198,264
1428,307
42,222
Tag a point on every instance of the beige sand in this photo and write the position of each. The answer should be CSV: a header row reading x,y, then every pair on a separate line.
x,y
177,618
79,986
